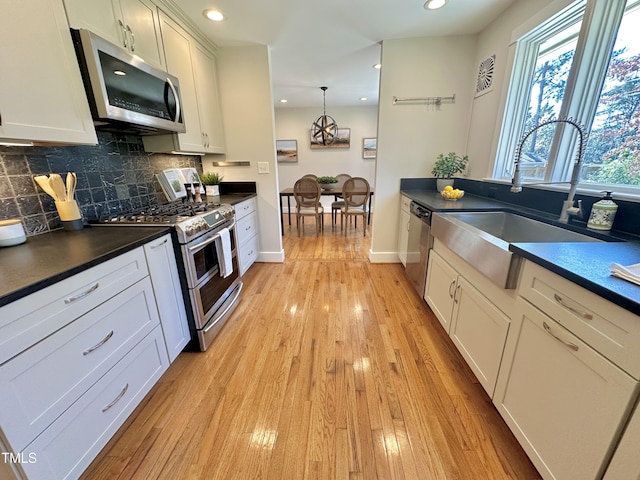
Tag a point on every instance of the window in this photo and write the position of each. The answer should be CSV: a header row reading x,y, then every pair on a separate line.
x,y
583,63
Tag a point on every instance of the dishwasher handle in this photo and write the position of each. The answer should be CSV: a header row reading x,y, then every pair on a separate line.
x,y
421,212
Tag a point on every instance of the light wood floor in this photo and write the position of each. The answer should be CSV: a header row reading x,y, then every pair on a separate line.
x,y
331,367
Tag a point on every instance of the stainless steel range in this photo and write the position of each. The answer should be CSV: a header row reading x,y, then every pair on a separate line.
x,y
205,243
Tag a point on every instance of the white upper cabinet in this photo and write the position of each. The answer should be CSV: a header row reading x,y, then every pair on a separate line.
x,y
42,98
131,24
196,70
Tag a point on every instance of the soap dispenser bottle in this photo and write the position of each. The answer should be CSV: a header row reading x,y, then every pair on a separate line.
x,y
603,213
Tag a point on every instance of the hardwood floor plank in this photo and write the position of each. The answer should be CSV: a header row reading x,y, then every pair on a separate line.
x,y
330,368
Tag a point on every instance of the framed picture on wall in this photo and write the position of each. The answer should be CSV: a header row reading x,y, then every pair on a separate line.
x,y
369,146
287,151
343,140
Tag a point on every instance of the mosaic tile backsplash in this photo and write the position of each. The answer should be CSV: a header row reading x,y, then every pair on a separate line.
x,y
113,177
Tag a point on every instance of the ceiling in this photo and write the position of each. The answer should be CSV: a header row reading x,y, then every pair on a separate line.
x,y
333,43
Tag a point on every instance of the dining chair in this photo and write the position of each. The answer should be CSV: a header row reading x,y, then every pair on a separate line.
x,y
306,192
310,175
338,203
355,191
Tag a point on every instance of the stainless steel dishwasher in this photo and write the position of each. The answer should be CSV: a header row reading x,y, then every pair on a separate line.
x,y
418,246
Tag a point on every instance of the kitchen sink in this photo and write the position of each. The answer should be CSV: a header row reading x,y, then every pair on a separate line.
x,y
483,238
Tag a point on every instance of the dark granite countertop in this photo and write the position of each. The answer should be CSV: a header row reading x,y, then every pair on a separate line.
x,y
235,198
586,264
48,258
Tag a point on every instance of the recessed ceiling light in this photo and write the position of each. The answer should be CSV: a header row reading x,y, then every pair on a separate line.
x,y
214,15
434,4
284,100
119,72
364,99
378,66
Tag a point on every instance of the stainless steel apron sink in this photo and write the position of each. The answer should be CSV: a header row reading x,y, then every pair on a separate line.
x,y
483,238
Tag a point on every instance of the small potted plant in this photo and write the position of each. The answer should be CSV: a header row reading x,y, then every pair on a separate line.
x,y
447,166
327,183
211,182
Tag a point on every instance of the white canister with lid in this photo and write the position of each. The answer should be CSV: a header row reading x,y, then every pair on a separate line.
x,y
602,213
11,232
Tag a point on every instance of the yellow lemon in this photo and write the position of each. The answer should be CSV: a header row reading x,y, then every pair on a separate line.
x,y
448,188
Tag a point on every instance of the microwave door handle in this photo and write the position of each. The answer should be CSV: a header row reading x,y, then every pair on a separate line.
x,y
175,94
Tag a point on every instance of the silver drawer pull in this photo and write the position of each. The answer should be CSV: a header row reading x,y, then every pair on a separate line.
x,y
93,288
452,286
99,344
117,399
160,244
584,315
570,345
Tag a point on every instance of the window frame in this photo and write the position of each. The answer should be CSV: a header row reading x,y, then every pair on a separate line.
x,y
600,21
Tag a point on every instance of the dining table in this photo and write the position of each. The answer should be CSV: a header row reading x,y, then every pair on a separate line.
x,y
288,193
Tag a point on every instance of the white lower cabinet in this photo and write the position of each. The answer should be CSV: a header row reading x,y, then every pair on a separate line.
x,y
247,239
67,447
442,280
563,401
83,354
166,286
479,330
403,229
476,326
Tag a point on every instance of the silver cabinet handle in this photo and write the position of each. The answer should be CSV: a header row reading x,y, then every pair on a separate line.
x,y
153,247
133,39
584,315
99,344
93,288
117,399
452,286
455,295
570,345
125,38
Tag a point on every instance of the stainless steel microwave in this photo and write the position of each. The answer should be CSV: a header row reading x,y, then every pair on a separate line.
x,y
125,93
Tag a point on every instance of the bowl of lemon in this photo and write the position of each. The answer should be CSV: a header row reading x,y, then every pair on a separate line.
x,y
450,193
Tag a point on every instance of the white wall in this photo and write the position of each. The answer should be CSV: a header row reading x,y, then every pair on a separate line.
x,y
411,136
488,109
295,124
247,107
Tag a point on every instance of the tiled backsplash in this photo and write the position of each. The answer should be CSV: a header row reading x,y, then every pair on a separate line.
x,y
113,177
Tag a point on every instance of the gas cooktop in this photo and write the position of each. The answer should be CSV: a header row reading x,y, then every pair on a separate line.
x,y
189,219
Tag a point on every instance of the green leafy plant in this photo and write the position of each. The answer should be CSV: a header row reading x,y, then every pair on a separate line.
x,y
325,180
176,186
211,178
448,165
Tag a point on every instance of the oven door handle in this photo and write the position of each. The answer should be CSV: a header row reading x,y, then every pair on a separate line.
x,y
209,240
231,304
199,246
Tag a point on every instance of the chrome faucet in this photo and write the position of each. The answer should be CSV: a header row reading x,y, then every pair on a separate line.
x,y
568,207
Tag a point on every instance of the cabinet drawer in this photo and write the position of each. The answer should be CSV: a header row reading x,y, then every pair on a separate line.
x,y
68,446
45,380
247,254
609,329
30,319
245,208
246,228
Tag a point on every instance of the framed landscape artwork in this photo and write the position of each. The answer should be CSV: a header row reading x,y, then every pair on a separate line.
x,y
287,151
343,140
369,146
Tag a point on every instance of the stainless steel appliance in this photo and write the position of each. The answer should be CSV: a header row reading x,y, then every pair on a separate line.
x,y
419,244
125,93
204,235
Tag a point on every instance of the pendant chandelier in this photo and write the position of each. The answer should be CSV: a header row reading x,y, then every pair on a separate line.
x,y
325,129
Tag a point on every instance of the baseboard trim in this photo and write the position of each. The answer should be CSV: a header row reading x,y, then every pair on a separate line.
x,y
383,257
